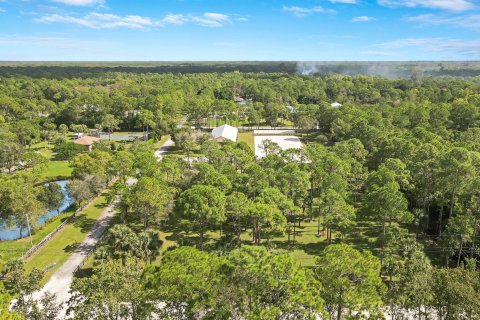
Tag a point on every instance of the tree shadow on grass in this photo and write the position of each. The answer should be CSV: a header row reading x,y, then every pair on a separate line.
x,y
71,247
84,223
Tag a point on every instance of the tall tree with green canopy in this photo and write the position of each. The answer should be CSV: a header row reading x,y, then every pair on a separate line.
x,y
385,201
264,220
272,285
338,215
122,165
187,282
413,290
293,182
146,119
456,292
52,196
455,167
237,210
110,123
121,242
19,203
202,206
349,281
149,198
21,284
207,175
114,291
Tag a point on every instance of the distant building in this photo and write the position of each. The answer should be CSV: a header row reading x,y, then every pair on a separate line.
x,y
225,132
77,135
238,100
336,104
290,108
87,141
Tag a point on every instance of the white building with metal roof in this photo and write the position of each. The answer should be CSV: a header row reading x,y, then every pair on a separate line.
x,y
225,132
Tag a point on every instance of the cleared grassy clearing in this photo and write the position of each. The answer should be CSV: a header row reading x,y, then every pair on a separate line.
x,y
56,170
246,137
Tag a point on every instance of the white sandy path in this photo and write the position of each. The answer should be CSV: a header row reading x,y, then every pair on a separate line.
x,y
164,148
169,143
285,142
59,283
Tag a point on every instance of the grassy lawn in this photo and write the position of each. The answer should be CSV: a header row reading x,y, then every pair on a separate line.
x,y
15,248
246,137
57,170
307,245
53,254
43,149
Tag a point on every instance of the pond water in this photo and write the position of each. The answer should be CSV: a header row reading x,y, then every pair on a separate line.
x,y
13,233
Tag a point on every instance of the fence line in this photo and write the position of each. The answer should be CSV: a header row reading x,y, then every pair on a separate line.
x,y
35,248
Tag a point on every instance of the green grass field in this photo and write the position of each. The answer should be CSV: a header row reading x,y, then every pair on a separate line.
x,y
56,170
246,137
53,254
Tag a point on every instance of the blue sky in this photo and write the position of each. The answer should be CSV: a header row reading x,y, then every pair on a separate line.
x,y
159,30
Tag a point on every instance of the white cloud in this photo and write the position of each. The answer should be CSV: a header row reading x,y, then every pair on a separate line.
x,y
174,19
2,10
344,1
80,2
97,20
101,21
463,21
211,19
303,11
216,16
469,48
452,5
363,19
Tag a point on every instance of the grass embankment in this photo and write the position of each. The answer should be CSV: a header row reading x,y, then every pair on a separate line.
x,y
246,137
15,248
58,249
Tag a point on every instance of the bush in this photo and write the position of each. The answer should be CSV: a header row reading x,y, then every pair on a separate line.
x,y
67,150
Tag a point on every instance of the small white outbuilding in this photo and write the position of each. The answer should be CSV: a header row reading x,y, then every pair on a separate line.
x,y
225,132
336,104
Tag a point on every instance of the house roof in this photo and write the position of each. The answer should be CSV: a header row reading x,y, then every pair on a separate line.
x,y
226,132
86,140
336,104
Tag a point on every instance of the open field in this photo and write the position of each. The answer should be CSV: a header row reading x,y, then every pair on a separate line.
x,y
56,170
246,137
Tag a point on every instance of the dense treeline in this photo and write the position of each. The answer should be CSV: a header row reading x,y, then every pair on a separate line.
x,y
389,69
401,157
